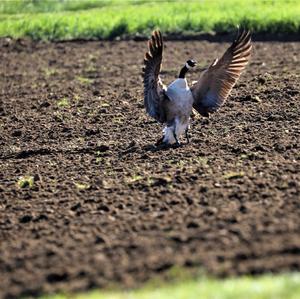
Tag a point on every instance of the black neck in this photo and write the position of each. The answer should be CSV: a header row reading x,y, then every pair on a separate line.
x,y
183,72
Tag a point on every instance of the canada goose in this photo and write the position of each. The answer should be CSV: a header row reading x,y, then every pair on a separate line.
x,y
172,105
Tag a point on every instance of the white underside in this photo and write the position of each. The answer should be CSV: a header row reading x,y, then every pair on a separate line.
x,y
181,96
178,129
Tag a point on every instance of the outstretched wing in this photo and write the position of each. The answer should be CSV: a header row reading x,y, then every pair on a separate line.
x,y
153,87
216,82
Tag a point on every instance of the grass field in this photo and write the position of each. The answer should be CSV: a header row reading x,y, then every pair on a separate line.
x,y
91,19
265,287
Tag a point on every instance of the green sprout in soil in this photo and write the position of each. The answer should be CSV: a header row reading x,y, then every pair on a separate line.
x,y
133,179
82,186
76,97
50,72
84,80
63,103
26,181
233,175
104,105
201,160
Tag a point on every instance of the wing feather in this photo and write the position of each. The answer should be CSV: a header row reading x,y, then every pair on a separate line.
x,y
153,87
216,82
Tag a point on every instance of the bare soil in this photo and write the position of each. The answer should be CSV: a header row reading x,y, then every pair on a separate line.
x,y
106,205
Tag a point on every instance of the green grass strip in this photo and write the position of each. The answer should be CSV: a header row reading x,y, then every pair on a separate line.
x,y
284,286
87,19
36,6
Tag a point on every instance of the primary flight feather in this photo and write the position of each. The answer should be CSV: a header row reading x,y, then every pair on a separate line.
x,y
172,105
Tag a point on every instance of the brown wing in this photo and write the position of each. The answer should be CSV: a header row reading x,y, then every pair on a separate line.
x,y
215,83
153,88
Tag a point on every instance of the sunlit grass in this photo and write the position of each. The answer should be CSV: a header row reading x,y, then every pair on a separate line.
x,y
57,20
285,286
34,6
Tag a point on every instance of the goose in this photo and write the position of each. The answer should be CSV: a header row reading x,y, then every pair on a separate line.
x,y
172,105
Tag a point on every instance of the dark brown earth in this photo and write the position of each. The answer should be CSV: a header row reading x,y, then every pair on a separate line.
x,y
108,207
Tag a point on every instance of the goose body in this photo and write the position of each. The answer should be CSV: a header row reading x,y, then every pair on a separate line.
x,y
172,105
178,109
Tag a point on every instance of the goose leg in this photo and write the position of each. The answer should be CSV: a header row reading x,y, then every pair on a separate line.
x,y
187,135
175,136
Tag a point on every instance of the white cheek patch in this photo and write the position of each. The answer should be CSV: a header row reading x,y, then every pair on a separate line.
x,y
187,65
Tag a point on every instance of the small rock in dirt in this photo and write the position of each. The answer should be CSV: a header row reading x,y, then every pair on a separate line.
x,y
174,202
96,92
76,206
210,211
99,240
243,209
25,219
2,112
44,104
132,143
126,95
162,181
256,99
103,208
279,148
57,277
274,117
292,92
145,157
203,189
36,177
41,217
125,104
103,148
103,110
261,80
264,78
251,98
247,98
189,201
90,132
16,133
179,238
192,224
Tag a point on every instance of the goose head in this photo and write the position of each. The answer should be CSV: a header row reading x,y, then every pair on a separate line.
x,y
188,65
191,63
